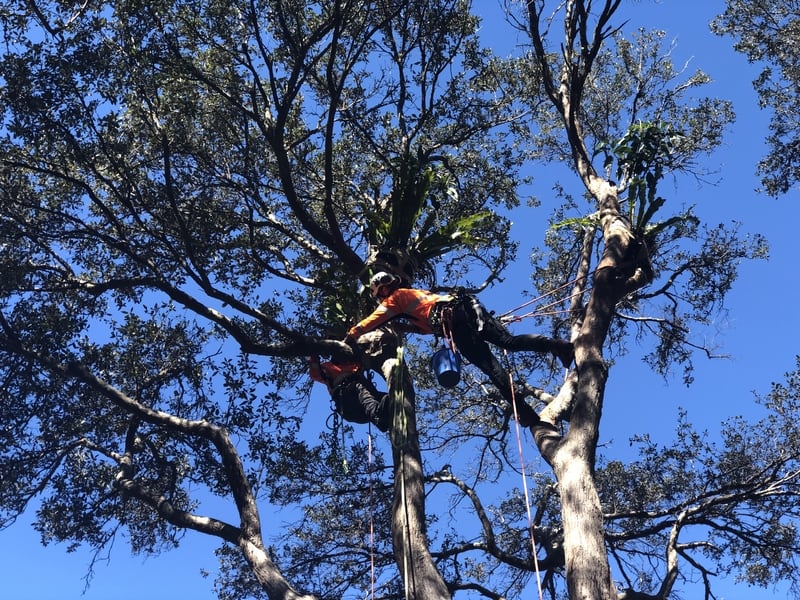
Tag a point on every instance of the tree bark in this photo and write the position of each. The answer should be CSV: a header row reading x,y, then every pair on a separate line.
x,y
587,569
266,572
421,578
622,268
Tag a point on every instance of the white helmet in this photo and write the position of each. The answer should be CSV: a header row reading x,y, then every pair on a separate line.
x,y
381,278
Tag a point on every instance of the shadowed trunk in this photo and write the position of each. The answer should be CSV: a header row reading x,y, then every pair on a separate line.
x,y
421,579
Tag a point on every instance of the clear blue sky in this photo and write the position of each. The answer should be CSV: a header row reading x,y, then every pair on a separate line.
x,y
760,334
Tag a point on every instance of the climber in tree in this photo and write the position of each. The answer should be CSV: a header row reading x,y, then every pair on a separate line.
x,y
355,397
464,318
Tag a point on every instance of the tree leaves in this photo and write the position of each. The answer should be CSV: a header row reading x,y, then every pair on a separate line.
x,y
767,33
190,195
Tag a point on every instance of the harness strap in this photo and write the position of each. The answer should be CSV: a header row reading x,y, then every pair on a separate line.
x,y
441,315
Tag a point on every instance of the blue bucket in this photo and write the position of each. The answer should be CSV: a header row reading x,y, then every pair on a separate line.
x,y
446,365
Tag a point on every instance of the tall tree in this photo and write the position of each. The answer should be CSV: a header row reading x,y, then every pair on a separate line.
x,y
185,189
609,107
768,33
192,194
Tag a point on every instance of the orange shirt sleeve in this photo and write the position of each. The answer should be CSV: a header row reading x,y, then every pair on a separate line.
x,y
404,301
329,373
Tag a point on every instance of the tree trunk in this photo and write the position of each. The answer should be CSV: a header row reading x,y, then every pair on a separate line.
x,y
623,267
268,576
421,578
587,569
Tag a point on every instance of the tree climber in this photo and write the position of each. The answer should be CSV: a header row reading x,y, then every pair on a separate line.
x,y
355,397
464,318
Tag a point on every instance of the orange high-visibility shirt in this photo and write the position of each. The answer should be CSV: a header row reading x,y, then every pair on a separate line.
x,y
415,304
331,374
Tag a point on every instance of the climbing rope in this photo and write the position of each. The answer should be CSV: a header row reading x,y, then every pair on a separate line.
x,y
338,428
345,466
371,515
447,331
399,437
542,310
525,486
508,316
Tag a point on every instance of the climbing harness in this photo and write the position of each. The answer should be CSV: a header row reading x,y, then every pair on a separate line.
x,y
446,362
440,316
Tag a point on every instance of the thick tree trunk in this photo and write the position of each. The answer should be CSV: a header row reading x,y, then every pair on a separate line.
x,y
421,578
622,268
587,569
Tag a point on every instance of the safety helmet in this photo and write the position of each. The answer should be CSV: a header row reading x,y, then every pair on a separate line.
x,y
381,278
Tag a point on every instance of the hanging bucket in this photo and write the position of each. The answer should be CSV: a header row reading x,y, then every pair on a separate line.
x,y
446,365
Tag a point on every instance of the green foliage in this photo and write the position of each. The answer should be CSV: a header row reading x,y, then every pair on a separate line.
x,y
190,193
578,223
703,493
419,217
642,156
767,33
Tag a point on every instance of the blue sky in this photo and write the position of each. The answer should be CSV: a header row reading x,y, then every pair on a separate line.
x,y
759,334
